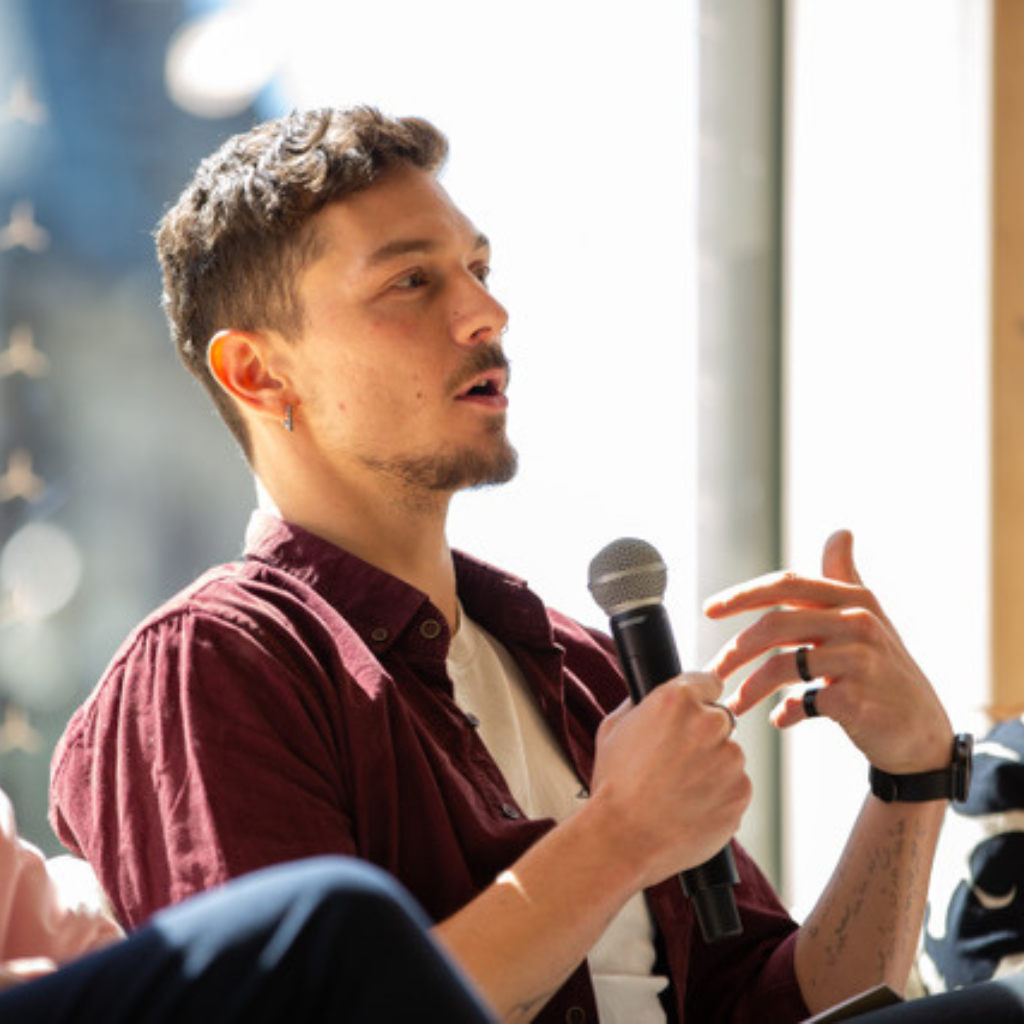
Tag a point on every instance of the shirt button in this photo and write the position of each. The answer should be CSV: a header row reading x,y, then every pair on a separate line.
x,y
379,635
430,629
473,720
510,812
575,1015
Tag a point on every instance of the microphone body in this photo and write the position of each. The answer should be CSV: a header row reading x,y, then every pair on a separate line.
x,y
631,595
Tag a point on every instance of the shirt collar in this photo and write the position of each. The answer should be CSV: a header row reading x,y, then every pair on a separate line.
x,y
382,607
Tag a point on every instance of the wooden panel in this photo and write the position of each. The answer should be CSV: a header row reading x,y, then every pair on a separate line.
x,y
1008,357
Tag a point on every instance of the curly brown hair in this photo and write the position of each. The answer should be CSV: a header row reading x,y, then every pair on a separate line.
x,y
233,245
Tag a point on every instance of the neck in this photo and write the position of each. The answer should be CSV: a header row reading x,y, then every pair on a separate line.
x,y
399,533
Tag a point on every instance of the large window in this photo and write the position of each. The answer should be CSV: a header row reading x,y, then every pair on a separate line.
x,y
886,405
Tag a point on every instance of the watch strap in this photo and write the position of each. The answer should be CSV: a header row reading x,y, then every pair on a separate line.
x,y
915,788
952,783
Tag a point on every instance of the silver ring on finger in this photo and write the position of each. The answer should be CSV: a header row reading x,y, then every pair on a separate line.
x,y
729,712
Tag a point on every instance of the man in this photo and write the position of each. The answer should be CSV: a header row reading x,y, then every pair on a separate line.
x,y
353,686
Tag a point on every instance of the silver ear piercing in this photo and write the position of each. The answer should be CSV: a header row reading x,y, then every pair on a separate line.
x,y
288,422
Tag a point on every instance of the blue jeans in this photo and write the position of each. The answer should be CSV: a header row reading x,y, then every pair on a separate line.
x,y
328,939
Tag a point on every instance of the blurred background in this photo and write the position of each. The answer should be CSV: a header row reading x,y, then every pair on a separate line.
x,y
762,282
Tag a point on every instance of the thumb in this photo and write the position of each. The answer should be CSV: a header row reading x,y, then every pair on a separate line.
x,y
837,561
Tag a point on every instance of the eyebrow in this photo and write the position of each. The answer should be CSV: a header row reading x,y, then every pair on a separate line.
x,y
404,246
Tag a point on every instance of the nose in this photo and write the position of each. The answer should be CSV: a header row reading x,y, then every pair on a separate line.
x,y
479,316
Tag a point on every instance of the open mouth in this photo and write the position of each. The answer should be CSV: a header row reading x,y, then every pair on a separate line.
x,y
484,389
490,385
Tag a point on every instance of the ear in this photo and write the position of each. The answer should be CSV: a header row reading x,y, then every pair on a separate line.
x,y
239,361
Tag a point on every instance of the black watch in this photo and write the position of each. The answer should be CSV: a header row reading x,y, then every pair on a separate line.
x,y
952,783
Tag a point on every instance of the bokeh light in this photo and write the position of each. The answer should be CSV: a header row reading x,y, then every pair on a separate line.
x,y
40,571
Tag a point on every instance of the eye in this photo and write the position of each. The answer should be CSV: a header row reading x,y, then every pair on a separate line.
x,y
414,279
483,273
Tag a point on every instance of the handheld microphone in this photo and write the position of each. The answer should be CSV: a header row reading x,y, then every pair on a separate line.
x,y
627,579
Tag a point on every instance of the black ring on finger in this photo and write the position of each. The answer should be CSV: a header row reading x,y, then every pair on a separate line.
x,y
801,665
810,702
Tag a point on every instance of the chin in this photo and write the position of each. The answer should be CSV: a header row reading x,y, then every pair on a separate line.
x,y
448,473
471,471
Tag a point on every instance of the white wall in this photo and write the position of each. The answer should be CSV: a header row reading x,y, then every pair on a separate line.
x,y
887,354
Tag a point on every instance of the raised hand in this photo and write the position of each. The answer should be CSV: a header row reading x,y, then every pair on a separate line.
x,y
867,681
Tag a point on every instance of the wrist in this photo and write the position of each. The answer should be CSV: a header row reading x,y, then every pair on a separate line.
x,y
609,846
951,782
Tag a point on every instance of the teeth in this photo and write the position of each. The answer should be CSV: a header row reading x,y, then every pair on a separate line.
x,y
484,387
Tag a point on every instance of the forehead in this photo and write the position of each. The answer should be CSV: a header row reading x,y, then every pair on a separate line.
x,y
407,207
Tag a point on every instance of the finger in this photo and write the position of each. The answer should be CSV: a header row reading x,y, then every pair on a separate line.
x,y
772,675
692,690
838,564
832,664
705,687
783,588
801,705
837,559
730,716
612,719
685,709
783,628
619,712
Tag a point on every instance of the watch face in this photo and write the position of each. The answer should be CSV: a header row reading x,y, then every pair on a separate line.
x,y
963,763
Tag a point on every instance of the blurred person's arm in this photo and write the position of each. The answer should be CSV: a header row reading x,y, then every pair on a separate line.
x,y
44,917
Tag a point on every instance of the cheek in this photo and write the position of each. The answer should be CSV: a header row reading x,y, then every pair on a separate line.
x,y
414,384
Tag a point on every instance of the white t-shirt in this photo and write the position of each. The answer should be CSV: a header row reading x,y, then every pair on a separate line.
x,y
489,685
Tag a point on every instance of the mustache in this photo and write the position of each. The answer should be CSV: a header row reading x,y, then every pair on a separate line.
x,y
484,357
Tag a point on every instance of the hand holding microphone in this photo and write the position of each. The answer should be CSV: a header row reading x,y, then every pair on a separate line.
x,y
627,579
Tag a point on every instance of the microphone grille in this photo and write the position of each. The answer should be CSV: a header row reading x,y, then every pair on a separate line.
x,y
626,574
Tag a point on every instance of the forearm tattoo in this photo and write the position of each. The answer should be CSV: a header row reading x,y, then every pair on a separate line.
x,y
873,908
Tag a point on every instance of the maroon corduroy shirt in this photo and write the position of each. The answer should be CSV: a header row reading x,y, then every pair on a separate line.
x,y
296,704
